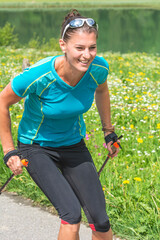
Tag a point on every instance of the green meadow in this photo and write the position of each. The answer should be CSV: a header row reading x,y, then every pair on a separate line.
x,y
131,180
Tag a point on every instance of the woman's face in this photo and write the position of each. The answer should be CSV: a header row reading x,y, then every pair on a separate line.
x,y
80,50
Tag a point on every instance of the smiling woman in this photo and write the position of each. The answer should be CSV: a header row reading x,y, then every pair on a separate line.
x,y
58,90
79,51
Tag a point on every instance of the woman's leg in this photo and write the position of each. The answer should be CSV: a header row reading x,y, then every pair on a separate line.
x,y
69,232
47,176
80,172
102,236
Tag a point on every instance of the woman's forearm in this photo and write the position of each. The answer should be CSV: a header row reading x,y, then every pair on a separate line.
x,y
103,105
5,130
7,98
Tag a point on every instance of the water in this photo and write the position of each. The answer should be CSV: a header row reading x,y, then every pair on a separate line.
x,y
120,30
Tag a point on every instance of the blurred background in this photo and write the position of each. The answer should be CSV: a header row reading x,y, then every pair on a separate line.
x,y
124,26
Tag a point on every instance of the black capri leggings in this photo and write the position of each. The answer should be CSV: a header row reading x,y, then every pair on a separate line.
x,y
68,177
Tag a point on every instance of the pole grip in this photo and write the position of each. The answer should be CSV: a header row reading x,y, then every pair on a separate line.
x,y
115,145
24,162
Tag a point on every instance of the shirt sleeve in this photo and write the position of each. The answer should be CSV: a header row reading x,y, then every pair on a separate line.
x,y
27,82
24,83
100,70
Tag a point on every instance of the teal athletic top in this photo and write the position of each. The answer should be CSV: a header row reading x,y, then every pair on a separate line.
x,y
53,110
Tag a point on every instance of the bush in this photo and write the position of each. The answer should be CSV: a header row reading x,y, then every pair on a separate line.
x,y
43,45
51,45
7,36
34,42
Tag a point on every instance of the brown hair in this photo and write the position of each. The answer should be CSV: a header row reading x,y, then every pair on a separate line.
x,y
73,14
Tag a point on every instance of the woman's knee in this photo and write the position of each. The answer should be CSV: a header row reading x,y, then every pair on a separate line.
x,y
72,216
102,235
74,228
100,226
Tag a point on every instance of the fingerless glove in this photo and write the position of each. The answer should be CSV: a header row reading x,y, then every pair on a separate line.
x,y
112,137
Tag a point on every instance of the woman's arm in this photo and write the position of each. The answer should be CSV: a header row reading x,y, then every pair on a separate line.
x,y
7,98
103,105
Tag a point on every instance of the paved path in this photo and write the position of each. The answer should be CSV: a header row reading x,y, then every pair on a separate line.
x,y
19,220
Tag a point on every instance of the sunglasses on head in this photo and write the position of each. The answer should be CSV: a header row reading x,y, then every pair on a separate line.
x,y
79,22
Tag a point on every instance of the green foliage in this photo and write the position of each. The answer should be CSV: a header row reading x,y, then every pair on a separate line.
x,y
34,42
51,45
7,36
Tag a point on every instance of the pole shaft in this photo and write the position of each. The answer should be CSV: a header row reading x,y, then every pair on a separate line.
x,y
1,189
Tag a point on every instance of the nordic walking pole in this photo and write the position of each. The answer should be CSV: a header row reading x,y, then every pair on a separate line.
x,y
25,164
116,145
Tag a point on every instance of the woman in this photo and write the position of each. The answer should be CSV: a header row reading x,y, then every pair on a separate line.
x,y
51,134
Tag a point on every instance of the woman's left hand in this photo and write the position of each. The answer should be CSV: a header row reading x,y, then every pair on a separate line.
x,y
113,151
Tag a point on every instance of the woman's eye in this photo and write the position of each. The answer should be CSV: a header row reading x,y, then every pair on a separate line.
x,y
79,48
92,47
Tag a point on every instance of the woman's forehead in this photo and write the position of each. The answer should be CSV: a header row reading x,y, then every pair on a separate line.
x,y
81,37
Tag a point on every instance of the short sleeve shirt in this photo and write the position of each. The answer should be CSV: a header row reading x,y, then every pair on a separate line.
x,y
53,111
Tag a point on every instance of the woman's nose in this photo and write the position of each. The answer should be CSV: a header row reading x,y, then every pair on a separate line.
x,y
86,53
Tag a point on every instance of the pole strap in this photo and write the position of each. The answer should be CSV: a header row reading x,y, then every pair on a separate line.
x,y
14,152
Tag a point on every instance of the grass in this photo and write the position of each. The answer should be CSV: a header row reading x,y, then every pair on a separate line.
x,y
78,4
130,181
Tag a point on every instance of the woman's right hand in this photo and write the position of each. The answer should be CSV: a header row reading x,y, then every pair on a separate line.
x,y
14,163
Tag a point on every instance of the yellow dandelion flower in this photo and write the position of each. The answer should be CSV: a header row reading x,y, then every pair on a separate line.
x,y
134,110
126,182
145,117
127,64
123,128
131,126
158,125
120,58
19,116
141,74
139,140
150,136
138,179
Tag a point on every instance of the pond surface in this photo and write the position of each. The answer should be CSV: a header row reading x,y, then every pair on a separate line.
x,y
120,30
